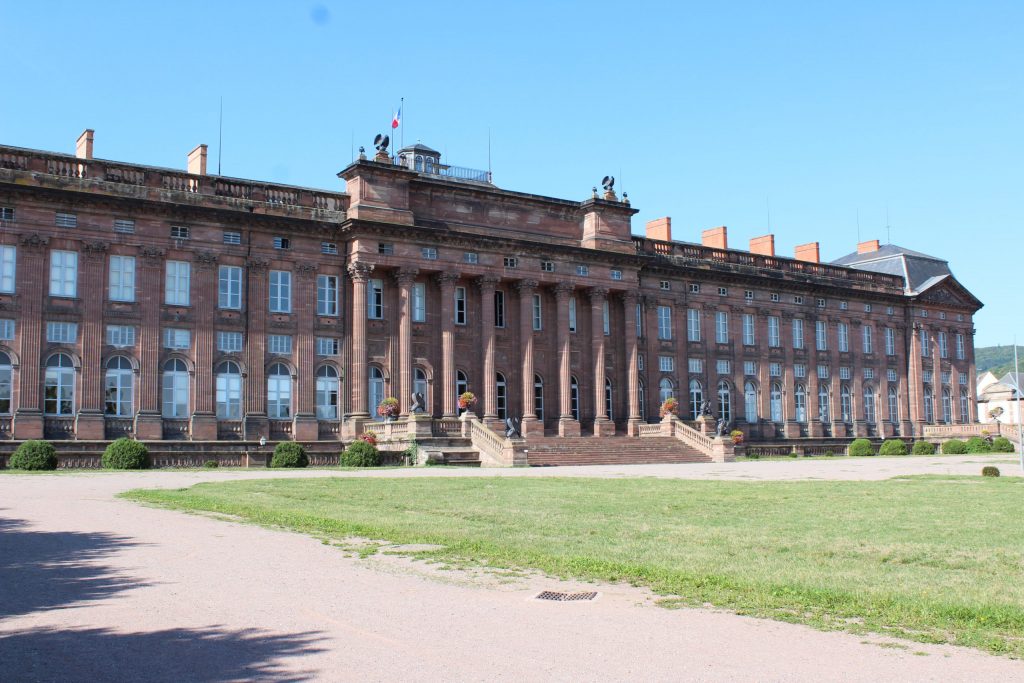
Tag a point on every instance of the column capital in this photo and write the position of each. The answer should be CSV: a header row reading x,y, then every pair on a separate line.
x,y
258,265
151,254
447,278
305,270
360,271
631,298
487,282
33,241
598,294
204,260
526,286
405,276
95,250
563,290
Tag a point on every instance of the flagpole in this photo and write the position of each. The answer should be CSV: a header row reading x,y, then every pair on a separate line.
x,y
401,123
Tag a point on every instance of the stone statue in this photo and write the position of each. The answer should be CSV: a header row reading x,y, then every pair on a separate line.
x,y
417,402
722,427
705,408
512,430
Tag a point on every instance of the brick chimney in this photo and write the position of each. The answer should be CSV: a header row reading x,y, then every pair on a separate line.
x,y
197,160
764,245
808,252
83,147
660,229
715,238
867,247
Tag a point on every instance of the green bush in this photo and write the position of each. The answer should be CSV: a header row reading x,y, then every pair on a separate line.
x,y
976,444
210,464
829,454
893,447
989,471
360,454
1001,444
34,455
860,447
954,447
125,454
289,454
923,448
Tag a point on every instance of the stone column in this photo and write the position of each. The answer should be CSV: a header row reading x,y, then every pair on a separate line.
x,y
204,419
404,278
530,426
603,426
32,286
91,286
629,302
360,274
148,423
490,410
567,425
304,423
446,281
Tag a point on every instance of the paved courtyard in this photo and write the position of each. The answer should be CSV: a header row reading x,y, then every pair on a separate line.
x,y
95,588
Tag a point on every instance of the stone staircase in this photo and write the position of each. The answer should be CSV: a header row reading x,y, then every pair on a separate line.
x,y
614,450
452,451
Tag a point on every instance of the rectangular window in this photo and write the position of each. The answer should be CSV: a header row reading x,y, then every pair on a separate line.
x,y
843,305
229,342
499,308
63,273
963,378
6,329
606,319
943,346
280,291
820,302
694,288
774,339
124,225
774,297
419,302
822,372
927,376
326,346
748,329
798,299
572,314
375,300
890,341
959,346
385,249
844,337
867,308
6,213
750,367
176,338
616,274
890,310
665,286
229,287
279,343
329,248
282,243
429,253
748,294
639,320
327,295
582,270
511,262
121,286
890,375
693,325
547,266
121,336
869,373
8,268
869,339
62,333
775,369
946,377
800,371
664,322
924,313
723,367
65,220
721,327
696,366
231,237
942,315
179,232
176,283
470,257
640,361
798,333
460,305
666,363
723,291
923,335
844,372
821,335
537,312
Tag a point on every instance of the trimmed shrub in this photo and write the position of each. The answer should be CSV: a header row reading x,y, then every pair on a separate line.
x,y
989,471
210,464
1001,444
860,447
976,444
360,454
828,454
125,454
954,447
893,447
34,455
289,454
923,448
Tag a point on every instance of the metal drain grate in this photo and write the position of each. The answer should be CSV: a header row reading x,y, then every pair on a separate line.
x,y
565,597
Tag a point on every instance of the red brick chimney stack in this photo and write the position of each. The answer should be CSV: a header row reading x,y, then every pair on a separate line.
x,y
83,147
867,247
660,229
197,160
764,245
808,252
716,238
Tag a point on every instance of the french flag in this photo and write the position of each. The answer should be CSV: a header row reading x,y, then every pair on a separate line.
x,y
396,119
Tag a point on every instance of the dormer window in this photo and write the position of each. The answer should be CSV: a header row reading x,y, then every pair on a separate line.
x,y
430,164
419,163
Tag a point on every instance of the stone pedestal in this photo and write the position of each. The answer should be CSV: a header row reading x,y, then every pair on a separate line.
x,y
421,426
149,427
667,427
28,424
467,418
89,426
815,429
604,427
860,428
531,426
305,428
568,427
706,425
791,430
204,427
722,449
633,427
888,430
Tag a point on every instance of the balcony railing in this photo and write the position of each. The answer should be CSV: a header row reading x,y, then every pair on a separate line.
x,y
444,170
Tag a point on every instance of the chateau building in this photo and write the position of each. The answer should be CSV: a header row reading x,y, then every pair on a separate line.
x,y
184,305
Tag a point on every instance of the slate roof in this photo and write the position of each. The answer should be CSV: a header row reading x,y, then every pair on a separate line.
x,y
920,271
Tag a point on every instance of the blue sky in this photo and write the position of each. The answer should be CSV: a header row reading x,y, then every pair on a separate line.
x,y
706,112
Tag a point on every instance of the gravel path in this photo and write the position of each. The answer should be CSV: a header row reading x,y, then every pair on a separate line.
x,y
93,588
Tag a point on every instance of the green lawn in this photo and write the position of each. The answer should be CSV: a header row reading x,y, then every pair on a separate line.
x,y
936,559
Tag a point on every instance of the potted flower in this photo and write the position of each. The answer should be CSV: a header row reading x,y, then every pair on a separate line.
x,y
369,437
737,437
669,407
389,408
467,400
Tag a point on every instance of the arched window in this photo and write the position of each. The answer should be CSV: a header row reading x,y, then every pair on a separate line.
x,y
501,396
327,393
228,389
823,407
642,398
461,386
845,404
538,397
419,162
696,395
929,408
666,390
376,393
750,402
775,399
894,405
59,388
724,401
420,385
574,397
175,389
429,167
608,399
6,374
947,406
869,404
279,392
800,401
117,387
965,408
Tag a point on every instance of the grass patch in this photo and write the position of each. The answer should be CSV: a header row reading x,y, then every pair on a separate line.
x,y
933,559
